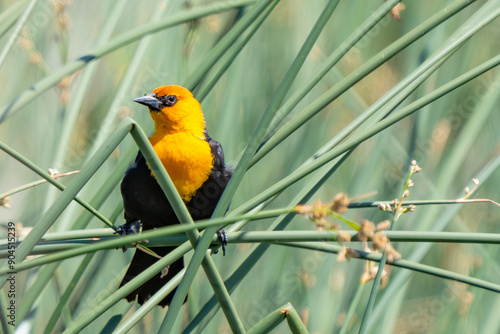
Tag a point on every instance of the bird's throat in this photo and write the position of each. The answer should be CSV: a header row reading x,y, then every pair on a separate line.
x,y
186,156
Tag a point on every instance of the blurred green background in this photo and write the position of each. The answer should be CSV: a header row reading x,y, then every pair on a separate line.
x,y
453,140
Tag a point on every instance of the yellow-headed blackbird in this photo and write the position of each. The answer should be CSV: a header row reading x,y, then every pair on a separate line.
x,y
195,163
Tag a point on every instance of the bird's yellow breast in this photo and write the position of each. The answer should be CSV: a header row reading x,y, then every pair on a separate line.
x,y
187,157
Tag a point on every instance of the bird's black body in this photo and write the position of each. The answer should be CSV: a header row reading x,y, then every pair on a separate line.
x,y
144,200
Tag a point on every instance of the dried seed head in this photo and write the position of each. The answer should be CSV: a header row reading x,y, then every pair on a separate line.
x,y
351,252
343,236
379,241
318,211
385,274
340,203
396,11
335,227
383,225
367,230
365,277
414,167
385,206
385,277
409,208
303,209
406,193
53,172
469,192
373,271
4,202
322,224
392,254
410,183
341,256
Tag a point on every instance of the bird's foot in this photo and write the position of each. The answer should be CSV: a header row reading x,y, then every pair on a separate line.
x,y
222,236
128,228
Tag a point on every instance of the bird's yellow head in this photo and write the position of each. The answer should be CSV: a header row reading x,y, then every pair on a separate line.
x,y
173,108
179,139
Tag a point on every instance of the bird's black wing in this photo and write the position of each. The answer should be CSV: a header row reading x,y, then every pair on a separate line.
x,y
218,154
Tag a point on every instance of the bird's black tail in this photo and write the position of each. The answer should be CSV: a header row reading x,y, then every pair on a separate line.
x,y
141,262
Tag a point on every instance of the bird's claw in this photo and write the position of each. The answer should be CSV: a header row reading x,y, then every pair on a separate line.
x,y
222,236
128,228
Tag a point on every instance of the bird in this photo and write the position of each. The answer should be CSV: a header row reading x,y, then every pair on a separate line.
x,y
194,162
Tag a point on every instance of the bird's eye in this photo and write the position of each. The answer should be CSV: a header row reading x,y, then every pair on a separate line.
x,y
170,100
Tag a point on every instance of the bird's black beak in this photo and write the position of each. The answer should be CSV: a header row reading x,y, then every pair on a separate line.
x,y
150,101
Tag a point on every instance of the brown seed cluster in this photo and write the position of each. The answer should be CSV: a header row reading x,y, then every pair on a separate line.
x,y
396,11
319,213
